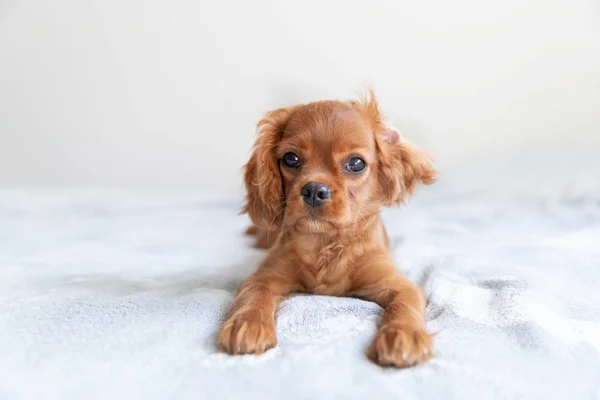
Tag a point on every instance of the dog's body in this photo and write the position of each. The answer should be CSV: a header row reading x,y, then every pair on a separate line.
x,y
316,181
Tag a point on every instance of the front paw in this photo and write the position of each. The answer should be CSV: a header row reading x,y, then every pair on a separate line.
x,y
401,346
247,333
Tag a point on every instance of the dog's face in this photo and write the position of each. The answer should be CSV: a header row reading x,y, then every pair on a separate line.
x,y
323,167
327,156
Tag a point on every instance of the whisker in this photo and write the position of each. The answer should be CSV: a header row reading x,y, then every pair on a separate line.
x,y
282,205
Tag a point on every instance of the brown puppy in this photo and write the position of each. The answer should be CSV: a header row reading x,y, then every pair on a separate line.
x,y
315,183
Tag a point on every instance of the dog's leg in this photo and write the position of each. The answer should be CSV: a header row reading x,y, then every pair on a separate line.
x,y
252,230
250,324
264,238
401,340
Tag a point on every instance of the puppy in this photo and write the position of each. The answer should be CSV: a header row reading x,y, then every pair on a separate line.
x,y
317,178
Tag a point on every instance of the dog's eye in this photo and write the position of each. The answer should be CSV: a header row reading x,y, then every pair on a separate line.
x,y
291,160
355,165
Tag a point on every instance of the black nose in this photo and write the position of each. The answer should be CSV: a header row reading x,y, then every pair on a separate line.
x,y
315,194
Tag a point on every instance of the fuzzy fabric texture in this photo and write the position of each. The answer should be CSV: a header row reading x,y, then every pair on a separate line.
x,y
120,295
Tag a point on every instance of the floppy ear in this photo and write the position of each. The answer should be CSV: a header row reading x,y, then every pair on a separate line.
x,y
402,165
264,193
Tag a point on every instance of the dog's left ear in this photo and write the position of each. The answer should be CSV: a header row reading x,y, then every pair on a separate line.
x,y
402,165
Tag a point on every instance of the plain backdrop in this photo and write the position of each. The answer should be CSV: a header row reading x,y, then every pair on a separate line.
x,y
165,94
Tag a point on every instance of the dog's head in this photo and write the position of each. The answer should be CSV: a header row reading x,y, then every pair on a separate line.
x,y
323,167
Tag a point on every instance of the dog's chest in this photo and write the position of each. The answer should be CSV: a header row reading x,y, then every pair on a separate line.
x,y
325,270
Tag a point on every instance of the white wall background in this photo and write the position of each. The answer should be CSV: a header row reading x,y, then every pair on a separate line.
x,y
151,93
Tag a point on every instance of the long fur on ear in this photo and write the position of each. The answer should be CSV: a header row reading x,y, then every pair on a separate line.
x,y
264,195
402,165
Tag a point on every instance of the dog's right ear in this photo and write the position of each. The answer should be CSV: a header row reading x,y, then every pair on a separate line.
x,y
265,202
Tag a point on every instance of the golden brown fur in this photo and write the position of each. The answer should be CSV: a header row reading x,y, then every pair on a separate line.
x,y
341,248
